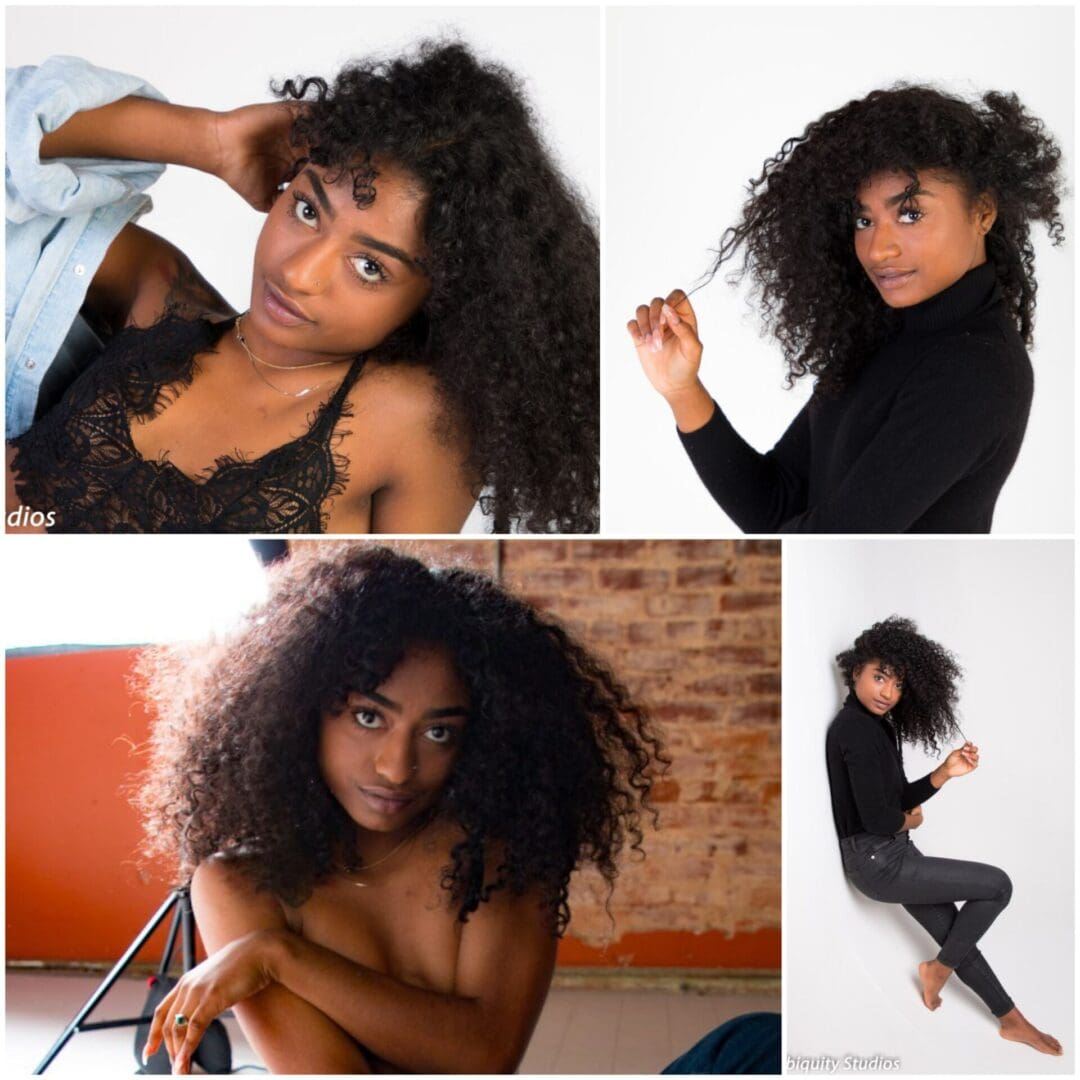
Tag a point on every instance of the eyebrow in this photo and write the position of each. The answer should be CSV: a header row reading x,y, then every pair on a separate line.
x,y
900,197
362,238
431,714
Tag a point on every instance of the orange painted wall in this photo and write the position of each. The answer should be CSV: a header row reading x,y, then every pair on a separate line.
x,y
75,890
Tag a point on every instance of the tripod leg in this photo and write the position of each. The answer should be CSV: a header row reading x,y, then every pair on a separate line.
x,y
109,980
187,929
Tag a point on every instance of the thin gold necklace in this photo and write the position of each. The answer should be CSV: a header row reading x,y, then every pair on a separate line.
x,y
393,851
256,360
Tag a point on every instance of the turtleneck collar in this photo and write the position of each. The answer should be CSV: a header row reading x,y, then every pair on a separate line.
x,y
884,721
978,288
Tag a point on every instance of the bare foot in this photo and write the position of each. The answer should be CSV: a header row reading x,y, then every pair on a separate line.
x,y
1015,1027
932,976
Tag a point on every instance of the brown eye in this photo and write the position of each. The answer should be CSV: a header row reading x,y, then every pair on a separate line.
x,y
368,719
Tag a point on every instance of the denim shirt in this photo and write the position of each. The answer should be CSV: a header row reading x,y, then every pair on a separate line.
x,y
62,215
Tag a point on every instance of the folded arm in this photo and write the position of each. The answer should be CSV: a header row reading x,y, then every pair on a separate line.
x,y
308,1009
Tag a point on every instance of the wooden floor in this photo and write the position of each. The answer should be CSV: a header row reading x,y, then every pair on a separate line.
x,y
580,1031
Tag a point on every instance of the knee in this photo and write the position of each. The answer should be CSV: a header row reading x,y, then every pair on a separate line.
x,y
1003,887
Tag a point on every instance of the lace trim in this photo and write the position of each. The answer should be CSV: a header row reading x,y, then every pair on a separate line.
x,y
81,462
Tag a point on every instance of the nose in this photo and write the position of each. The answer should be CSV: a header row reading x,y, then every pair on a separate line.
x,y
395,761
884,243
307,269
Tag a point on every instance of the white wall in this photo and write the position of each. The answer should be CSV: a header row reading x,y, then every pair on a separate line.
x,y
222,57
697,99
1005,608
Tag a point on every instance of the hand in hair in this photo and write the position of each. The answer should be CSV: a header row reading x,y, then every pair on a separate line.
x,y
254,152
962,761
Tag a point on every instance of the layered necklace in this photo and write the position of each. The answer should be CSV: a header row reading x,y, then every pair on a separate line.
x,y
256,361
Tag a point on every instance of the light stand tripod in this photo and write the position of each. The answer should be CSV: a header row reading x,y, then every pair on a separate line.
x,y
183,924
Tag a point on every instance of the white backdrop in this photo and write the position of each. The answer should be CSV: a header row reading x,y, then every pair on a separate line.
x,y
1005,608
222,57
697,99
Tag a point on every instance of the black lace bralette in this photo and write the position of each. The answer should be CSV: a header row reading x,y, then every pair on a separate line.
x,y
80,463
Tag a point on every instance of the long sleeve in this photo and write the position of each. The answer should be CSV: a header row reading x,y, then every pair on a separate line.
x,y
951,415
918,791
867,785
759,492
61,215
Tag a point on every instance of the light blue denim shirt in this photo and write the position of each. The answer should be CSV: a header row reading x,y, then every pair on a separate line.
x,y
62,215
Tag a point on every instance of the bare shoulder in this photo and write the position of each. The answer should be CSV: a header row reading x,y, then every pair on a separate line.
x,y
407,398
225,895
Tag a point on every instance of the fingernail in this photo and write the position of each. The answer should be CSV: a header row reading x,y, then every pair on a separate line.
x,y
672,315
657,342
145,1056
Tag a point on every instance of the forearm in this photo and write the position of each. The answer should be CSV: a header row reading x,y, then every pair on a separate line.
x,y
138,129
416,1030
758,491
691,408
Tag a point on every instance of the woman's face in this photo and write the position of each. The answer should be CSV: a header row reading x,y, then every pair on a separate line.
x,y
387,755
877,686
912,246
331,279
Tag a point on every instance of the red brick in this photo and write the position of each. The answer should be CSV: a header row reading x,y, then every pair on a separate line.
x,y
530,552
607,631
756,712
550,579
684,630
766,684
645,632
612,550
702,549
633,578
758,547
705,577
677,604
749,601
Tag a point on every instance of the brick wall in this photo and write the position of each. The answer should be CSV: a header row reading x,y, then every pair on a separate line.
x,y
693,628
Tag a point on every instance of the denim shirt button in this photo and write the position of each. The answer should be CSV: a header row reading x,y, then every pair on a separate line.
x,y
30,365
80,270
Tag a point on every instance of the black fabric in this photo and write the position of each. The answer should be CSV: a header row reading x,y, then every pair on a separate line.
x,y
922,441
80,463
895,871
870,792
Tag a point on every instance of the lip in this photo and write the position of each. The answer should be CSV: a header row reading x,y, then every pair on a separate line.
x,y
892,279
282,311
385,802
883,706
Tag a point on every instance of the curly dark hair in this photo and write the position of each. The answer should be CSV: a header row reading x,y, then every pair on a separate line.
x,y
797,225
556,763
510,328
929,674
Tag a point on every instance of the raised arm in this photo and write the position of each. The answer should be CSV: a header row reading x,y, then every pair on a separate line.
x,y
758,491
248,147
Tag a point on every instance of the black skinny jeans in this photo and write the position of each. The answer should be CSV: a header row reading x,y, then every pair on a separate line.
x,y
893,870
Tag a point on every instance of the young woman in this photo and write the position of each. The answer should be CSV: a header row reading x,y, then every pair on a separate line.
x,y
903,689
398,359
890,247
381,784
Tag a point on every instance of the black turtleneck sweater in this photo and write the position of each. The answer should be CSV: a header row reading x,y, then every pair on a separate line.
x,y
870,792
922,441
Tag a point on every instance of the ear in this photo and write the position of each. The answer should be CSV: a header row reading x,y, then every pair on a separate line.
x,y
984,212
